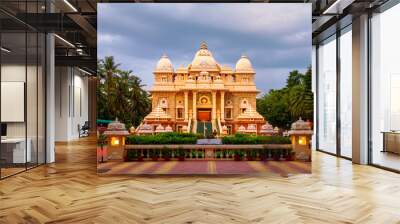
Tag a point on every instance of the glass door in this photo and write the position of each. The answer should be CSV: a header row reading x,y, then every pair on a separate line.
x,y
327,95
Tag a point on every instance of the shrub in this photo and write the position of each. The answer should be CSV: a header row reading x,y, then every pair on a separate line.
x,y
163,139
241,139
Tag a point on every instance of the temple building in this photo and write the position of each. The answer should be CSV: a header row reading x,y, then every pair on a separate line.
x,y
204,97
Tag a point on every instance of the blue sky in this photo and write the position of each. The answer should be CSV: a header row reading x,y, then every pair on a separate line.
x,y
276,37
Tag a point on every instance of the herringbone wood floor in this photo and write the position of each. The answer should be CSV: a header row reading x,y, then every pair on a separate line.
x,y
70,191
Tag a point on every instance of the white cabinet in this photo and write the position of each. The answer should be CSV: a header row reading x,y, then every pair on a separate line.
x,y
17,147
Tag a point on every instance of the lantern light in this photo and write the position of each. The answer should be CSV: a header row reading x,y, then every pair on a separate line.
x,y
302,140
114,141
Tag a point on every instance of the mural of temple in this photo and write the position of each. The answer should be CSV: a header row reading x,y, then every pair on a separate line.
x,y
204,97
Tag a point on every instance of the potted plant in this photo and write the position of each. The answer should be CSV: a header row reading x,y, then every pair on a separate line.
x,y
166,154
251,154
140,157
224,153
263,154
102,140
181,154
238,155
154,154
276,154
194,154
131,155
200,154
218,154
231,153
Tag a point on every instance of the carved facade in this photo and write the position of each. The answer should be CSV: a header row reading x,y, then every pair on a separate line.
x,y
205,95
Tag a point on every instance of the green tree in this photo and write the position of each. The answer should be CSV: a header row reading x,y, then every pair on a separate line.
x,y
273,106
284,106
120,94
295,78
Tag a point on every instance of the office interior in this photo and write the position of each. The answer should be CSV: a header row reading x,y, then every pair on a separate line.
x,y
47,79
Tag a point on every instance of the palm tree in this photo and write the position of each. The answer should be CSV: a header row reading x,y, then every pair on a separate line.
x,y
301,102
120,94
108,70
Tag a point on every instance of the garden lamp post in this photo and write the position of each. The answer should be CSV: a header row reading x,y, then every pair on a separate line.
x,y
300,134
116,133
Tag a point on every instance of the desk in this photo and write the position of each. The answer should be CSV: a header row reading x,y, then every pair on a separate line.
x,y
391,141
13,150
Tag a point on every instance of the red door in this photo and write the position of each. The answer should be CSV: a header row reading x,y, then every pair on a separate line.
x,y
204,115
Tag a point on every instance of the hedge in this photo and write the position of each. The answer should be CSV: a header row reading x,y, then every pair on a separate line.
x,y
241,139
163,138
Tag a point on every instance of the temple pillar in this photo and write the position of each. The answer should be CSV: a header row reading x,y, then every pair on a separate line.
x,y
214,105
186,105
194,105
222,106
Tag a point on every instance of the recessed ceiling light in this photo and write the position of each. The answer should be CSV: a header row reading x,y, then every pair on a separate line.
x,y
70,5
64,40
86,72
5,50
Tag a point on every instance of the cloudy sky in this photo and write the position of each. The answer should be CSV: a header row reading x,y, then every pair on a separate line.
x,y
276,37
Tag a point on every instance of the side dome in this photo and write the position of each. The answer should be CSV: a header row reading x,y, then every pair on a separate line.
x,y
204,60
243,65
164,65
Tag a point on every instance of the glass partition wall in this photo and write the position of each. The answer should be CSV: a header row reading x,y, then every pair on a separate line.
x,y
345,108
327,95
385,89
22,77
334,90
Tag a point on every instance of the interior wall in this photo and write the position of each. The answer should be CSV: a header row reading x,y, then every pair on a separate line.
x,y
71,102
13,73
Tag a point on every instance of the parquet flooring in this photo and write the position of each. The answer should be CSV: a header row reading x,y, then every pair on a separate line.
x,y
70,191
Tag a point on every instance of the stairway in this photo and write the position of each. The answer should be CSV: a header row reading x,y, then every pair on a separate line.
x,y
204,124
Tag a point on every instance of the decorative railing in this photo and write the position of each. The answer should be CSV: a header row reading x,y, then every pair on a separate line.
x,y
275,152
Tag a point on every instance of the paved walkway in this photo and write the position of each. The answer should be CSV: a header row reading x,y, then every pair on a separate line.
x,y
205,167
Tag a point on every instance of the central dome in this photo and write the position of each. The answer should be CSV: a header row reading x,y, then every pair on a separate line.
x,y
204,60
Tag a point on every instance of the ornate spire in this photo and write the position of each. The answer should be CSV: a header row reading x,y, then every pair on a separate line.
x,y
203,45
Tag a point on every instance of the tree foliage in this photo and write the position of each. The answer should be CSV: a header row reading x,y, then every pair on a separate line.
x,y
120,94
282,107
